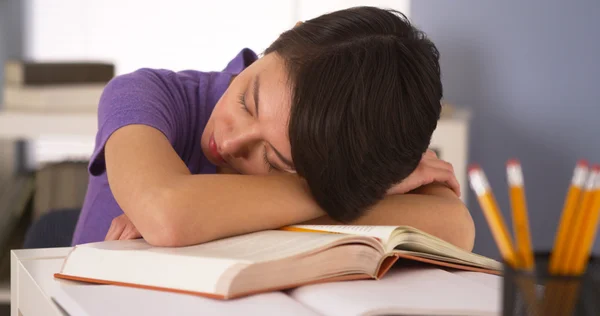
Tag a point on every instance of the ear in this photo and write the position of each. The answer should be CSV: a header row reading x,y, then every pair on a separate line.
x,y
298,23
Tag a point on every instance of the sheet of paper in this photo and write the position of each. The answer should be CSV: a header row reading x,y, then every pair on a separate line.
x,y
486,279
403,291
99,300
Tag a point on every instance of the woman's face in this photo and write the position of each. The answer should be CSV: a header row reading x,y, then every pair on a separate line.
x,y
247,130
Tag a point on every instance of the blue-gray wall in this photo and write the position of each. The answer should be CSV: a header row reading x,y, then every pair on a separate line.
x,y
530,72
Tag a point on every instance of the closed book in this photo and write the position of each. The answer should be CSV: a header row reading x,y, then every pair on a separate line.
x,y
80,98
22,72
266,260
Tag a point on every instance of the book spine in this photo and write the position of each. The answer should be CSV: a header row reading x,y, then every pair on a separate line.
x,y
34,74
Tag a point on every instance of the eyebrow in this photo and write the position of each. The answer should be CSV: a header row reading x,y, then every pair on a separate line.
x,y
286,161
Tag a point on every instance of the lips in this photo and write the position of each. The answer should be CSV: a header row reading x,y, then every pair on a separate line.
x,y
212,146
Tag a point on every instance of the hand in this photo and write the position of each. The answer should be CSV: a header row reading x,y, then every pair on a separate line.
x,y
431,169
122,228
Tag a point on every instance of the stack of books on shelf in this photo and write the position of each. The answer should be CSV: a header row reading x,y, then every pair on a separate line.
x,y
53,86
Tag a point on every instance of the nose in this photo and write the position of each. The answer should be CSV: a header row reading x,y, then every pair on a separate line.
x,y
240,142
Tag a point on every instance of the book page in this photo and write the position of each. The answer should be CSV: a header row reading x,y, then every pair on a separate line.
x,y
99,300
258,247
422,245
381,232
403,291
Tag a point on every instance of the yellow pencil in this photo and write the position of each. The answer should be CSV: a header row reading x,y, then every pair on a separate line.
x,y
519,214
588,231
305,230
568,211
488,204
573,243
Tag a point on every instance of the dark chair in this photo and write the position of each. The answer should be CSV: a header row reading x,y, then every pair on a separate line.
x,y
53,229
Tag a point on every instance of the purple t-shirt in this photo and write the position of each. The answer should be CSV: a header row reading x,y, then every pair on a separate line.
x,y
176,103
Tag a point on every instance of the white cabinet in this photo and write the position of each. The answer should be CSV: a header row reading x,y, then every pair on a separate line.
x,y
451,142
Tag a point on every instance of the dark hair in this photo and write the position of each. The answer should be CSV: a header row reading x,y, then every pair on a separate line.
x,y
366,93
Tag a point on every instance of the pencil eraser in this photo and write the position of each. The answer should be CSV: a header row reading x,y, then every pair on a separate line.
x,y
582,163
596,168
473,167
512,162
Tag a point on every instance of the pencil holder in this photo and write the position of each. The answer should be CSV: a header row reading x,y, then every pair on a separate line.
x,y
542,294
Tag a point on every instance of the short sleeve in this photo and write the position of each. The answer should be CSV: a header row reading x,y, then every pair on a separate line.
x,y
152,97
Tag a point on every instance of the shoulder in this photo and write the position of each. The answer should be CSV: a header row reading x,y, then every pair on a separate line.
x,y
141,79
148,87
152,78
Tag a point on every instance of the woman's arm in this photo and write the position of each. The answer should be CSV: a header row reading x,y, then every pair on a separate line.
x,y
433,208
171,207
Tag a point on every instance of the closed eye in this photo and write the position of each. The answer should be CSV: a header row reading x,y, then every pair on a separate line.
x,y
242,101
270,166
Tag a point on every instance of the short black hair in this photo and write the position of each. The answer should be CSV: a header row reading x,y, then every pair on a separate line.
x,y
366,93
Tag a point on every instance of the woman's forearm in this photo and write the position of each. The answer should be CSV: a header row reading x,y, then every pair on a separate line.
x,y
207,207
201,208
441,215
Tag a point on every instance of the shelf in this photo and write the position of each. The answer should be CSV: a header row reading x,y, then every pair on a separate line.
x,y
4,292
27,125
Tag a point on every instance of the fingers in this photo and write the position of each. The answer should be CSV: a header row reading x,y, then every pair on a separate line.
x,y
440,175
116,228
122,228
430,169
400,188
130,232
453,184
440,171
430,154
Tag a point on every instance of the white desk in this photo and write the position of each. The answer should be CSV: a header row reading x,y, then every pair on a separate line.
x,y
34,291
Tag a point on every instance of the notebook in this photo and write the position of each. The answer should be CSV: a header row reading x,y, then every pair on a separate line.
x,y
413,290
265,261
83,299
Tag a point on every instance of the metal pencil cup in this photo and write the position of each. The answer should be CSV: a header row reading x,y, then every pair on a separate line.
x,y
541,294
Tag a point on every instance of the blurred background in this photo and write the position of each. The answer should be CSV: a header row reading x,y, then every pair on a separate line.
x,y
521,79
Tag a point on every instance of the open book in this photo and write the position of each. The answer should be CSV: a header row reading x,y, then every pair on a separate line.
x,y
266,260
